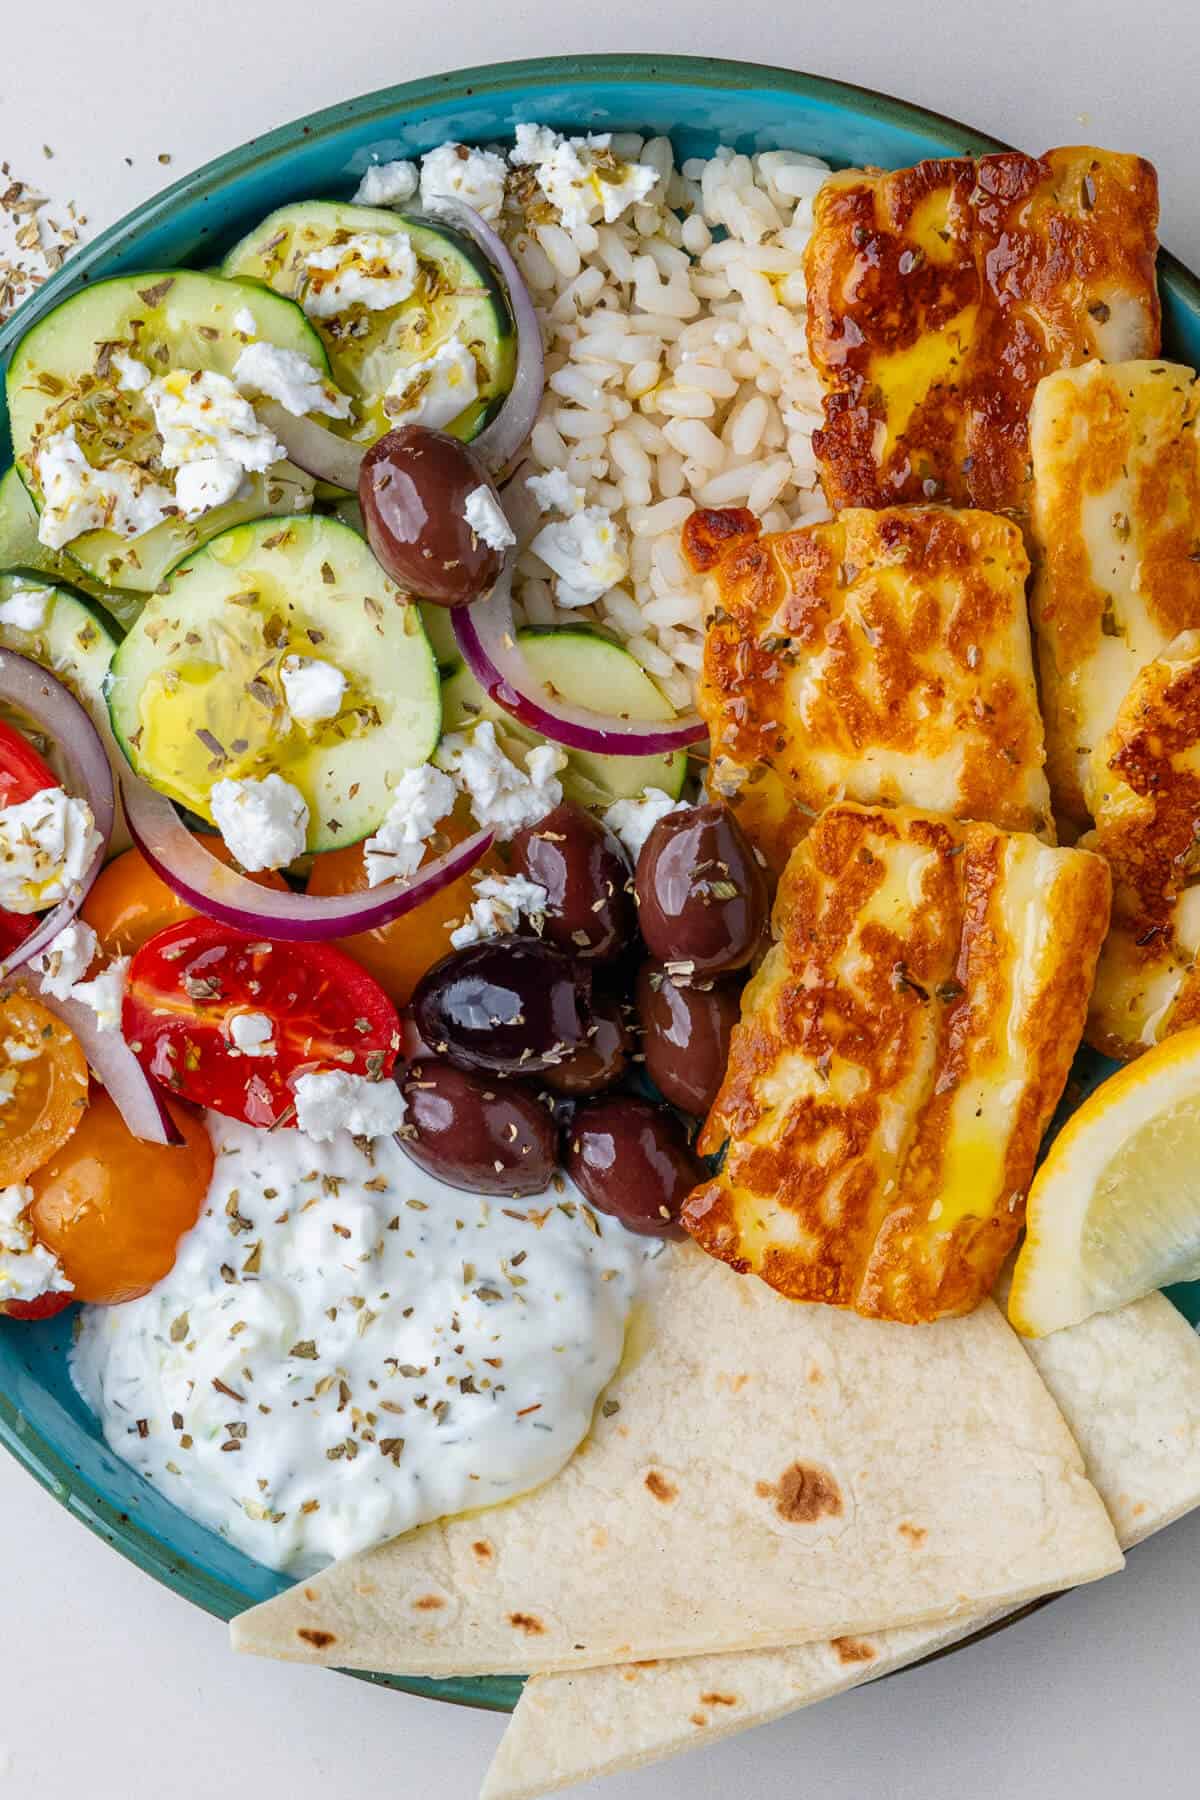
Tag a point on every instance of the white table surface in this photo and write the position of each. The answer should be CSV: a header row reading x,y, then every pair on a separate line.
x,y
115,1689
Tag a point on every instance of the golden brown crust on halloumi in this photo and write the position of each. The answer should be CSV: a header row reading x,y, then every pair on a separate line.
x,y
883,656
900,1053
1116,528
939,295
1147,799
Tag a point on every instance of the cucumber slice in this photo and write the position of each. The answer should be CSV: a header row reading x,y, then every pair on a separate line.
x,y
195,692
586,669
457,292
176,319
22,551
77,642
436,619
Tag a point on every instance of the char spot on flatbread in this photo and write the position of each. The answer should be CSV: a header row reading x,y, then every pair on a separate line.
x,y
527,1623
429,1603
718,1699
320,1640
916,1534
700,1719
483,1550
803,1494
310,1593
661,1488
853,1650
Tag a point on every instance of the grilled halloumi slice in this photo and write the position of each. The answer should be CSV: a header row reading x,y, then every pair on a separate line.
x,y
939,295
899,1055
1147,801
1116,528
883,656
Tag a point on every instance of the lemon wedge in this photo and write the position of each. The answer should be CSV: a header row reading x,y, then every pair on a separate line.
x,y
1114,1211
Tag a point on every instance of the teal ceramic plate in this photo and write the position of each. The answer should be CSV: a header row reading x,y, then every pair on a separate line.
x,y
698,103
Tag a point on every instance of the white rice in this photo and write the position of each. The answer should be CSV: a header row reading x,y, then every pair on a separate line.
x,y
678,376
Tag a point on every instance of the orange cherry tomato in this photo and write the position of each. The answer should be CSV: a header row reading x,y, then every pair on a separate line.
x,y
43,1074
113,1209
130,904
398,954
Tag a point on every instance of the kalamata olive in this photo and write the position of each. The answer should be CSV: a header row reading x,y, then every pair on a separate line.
x,y
507,1006
413,488
685,1035
702,897
631,1158
586,876
412,1045
495,1138
600,1062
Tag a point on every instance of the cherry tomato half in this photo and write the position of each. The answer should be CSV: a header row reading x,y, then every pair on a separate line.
x,y
22,771
46,1306
129,902
113,1208
192,982
399,954
43,1074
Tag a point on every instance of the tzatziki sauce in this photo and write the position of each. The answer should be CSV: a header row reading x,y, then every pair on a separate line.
x,y
346,1347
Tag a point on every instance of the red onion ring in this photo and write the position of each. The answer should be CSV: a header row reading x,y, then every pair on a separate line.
x,y
221,893
311,447
120,1073
321,453
487,637
35,692
499,442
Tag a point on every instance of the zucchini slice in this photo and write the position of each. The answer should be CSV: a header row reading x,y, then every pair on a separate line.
x,y
77,641
457,293
196,691
62,375
22,552
582,665
436,619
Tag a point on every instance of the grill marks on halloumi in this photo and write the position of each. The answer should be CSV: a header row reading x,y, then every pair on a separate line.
x,y
883,656
1116,526
939,295
899,1056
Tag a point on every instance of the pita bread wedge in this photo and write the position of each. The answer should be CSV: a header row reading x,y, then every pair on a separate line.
x,y
1128,1384
760,1473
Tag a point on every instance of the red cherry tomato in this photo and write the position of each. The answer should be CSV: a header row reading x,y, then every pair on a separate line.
x,y
190,983
44,1307
22,771
22,775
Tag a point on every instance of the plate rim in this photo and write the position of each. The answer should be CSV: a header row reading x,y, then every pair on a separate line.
x,y
119,1529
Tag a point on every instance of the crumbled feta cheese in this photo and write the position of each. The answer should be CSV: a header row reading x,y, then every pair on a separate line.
x,y
314,690
633,820
368,268
586,552
290,378
420,800
253,1033
66,959
27,605
485,516
27,1269
387,184
105,993
264,823
456,172
209,482
76,497
132,375
200,416
245,322
46,844
555,492
502,794
18,1052
435,390
338,1101
580,175
497,907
